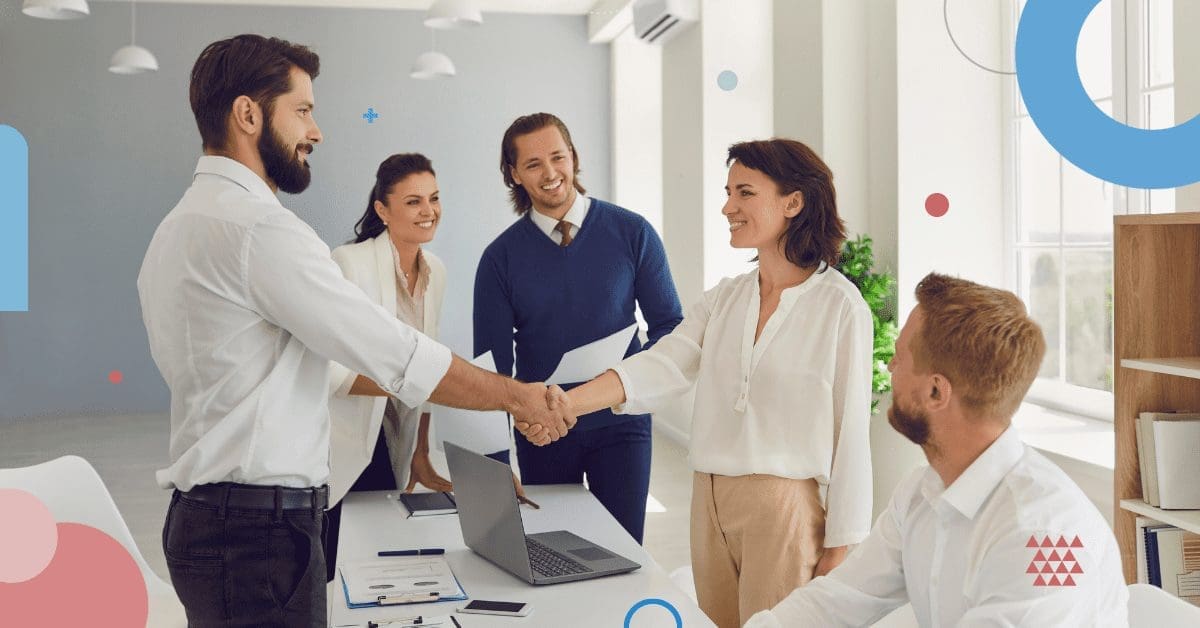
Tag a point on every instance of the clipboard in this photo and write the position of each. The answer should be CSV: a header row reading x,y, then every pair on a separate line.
x,y
392,573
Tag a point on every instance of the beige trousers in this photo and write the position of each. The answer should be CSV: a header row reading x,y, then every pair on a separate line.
x,y
755,538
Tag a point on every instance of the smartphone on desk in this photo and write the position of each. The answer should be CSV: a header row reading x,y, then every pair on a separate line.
x,y
491,607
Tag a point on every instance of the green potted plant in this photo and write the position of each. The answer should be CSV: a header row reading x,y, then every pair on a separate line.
x,y
857,264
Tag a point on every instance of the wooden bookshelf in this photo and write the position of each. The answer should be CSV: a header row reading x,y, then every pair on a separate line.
x,y
1156,318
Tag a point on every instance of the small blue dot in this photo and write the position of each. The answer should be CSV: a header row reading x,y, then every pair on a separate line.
x,y
727,80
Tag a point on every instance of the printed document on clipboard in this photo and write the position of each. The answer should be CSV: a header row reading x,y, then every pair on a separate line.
x,y
587,362
400,580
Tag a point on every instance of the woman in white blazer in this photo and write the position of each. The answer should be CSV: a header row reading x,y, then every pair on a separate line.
x,y
377,443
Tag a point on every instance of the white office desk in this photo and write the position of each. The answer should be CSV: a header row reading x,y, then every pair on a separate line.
x,y
373,521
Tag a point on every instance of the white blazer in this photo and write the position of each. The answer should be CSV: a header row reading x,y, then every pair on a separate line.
x,y
356,419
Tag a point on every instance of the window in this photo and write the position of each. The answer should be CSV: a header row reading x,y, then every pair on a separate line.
x,y
1060,218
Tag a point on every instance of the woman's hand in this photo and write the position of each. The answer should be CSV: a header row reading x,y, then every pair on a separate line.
x,y
422,471
830,558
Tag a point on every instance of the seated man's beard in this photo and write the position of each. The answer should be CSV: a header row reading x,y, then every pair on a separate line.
x,y
282,164
913,425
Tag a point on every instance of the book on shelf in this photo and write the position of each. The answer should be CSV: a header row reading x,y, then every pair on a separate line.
x,y
1168,446
1169,558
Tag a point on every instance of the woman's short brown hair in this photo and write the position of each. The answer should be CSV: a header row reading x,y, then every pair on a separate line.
x,y
817,234
981,339
249,65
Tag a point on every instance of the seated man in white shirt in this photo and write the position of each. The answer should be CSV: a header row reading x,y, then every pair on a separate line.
x,y
991,533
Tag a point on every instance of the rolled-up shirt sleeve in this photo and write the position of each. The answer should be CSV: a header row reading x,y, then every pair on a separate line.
x,y
294,283
655,376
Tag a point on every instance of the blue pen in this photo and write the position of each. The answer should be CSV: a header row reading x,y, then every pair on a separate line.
x,y
433,551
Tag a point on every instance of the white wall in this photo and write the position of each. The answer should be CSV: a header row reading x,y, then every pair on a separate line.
x,y
949,140
637,137
1187,84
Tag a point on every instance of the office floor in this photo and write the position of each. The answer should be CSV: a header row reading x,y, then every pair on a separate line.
x,y
126,451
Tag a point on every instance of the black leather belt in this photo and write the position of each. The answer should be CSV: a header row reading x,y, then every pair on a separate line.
x,y
249,496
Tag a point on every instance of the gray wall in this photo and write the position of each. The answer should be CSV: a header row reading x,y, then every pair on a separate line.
x,y
110,155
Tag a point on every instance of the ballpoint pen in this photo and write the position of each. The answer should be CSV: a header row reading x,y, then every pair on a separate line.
x,y
526,500
429,551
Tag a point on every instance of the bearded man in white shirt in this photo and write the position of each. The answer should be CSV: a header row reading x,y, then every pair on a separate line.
x,y
991,533
244,308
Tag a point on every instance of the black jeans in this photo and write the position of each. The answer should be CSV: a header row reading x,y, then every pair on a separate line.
x,y
246,566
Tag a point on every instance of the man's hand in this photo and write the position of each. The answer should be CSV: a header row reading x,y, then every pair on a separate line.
x,y
557,402
421,471
831,558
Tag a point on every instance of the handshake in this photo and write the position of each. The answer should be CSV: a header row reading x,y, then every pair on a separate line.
x,y
543,414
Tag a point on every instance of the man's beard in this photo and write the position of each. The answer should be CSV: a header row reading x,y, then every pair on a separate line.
x,y
913,425
282,164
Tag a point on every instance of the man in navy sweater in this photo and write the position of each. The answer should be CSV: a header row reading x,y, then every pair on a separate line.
x,y
568,273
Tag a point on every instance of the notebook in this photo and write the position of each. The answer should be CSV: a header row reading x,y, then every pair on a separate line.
x,y
424,504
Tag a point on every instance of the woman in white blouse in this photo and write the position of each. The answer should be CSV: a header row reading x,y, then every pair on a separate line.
x,y
376,442
781,359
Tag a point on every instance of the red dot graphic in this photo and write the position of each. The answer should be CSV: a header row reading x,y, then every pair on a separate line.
x,y
937,205
115,377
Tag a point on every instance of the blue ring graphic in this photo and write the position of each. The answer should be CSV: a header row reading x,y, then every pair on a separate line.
x,y
14,221
654,602
1047,39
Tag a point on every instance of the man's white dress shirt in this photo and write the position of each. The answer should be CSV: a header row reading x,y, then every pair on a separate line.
x,y
244,309
795,404
1011,542
574,216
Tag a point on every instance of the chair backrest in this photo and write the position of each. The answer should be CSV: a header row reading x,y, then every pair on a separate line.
x,y
1151,607
74,492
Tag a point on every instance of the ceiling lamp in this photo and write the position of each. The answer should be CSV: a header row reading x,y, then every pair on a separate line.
x,y
453,14
55,9
431,65
132,59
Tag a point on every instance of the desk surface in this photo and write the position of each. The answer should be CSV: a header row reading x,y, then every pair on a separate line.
x,y
374,521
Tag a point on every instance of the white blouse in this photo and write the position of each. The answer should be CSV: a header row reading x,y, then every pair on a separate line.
x,y
796,404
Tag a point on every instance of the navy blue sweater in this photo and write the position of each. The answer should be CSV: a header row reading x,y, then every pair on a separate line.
x,y
552,299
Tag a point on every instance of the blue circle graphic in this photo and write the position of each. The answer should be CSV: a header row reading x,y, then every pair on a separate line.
x,y
1047,72
654,602
727,80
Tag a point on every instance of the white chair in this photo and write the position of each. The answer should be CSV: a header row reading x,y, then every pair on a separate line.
x,y
74,492
1151,607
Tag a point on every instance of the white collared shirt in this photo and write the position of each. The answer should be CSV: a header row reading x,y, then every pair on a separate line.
x,y
244,308
796,404
575,216
965,555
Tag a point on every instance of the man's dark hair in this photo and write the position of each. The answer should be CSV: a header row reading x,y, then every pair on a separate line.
x,y
508,155
249,65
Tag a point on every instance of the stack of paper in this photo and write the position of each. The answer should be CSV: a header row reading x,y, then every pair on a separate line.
x,y
400,580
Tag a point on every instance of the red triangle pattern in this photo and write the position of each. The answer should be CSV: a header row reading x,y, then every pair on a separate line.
x,y
1062,568
1047,569
1054,556
1033,568
1068,556
1076,542
1039,556
1051,569
1046,542
1068,582
1032,542
1076,569
1061,542
1054,582
1039,582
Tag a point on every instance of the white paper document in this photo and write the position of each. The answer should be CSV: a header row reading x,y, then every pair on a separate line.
x,y
590,360
400,576
482,432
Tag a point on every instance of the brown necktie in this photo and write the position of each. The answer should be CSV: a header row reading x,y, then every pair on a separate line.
x,y
564,228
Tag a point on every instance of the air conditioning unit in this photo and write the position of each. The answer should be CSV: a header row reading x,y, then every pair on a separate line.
x,y
658,21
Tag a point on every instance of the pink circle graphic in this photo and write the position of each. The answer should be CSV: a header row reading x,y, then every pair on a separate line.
x,y
92,581
116,377
937,205
27,536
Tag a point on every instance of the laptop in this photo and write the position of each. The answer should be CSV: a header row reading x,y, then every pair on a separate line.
x,y
491,525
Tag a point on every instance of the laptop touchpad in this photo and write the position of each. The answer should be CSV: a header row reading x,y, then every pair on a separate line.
x,y
591,553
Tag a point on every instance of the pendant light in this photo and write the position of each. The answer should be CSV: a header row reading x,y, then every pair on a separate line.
x,y
432,64
55,9
132,59
446,14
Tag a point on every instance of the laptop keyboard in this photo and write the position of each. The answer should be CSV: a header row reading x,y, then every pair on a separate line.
x,y
547,562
